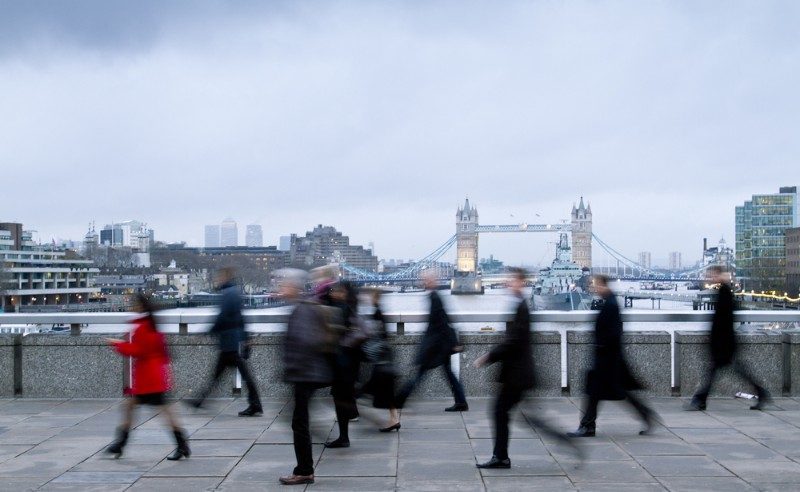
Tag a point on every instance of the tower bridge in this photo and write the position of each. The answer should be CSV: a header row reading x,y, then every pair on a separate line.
x,y
466,278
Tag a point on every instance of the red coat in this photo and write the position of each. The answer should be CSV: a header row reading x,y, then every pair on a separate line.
x,y
148,349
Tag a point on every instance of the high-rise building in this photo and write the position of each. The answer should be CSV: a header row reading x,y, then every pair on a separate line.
x,y
582,235
645,259
228,233
324,245
793,261
285,243
212,236
675,262
130,234
761,225
254,236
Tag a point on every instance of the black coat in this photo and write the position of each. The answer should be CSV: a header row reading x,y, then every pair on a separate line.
x,y
723,340
514,353
229,325
439,339
610,377
305,359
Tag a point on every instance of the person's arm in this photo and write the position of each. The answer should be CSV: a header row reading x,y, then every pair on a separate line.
x,y
136,347
227,310
514,338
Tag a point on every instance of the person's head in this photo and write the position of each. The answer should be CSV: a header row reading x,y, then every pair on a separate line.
x,y
225,275
429,279
291,282
517,281
716,274
143,305
600,285
339,293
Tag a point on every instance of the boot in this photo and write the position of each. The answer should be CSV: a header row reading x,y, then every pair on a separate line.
x,y
115,447
583,431
183,446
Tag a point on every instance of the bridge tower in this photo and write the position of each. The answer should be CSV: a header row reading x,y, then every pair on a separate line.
x,y
467,239
582,235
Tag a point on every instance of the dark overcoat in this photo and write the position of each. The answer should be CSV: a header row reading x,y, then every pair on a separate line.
x,y
305,356
723,340
514,353
609,378
439,338
229,324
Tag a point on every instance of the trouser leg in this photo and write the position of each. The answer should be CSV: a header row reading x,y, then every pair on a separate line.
x,y
506,400
301,430
408,387
744,372
701,395
222,363
252,391
589,418
642,409
455,384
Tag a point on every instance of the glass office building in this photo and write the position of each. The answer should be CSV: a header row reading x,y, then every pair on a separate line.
x,y
761,224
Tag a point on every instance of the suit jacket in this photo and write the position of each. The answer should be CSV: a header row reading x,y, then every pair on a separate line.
x,y
723,340
610,377
439,338
514,352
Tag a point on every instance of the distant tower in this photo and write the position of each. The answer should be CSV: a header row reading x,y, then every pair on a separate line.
x,y
90,241
467,238
582,235
228,233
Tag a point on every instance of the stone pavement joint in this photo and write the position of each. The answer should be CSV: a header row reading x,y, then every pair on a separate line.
x,y
58,445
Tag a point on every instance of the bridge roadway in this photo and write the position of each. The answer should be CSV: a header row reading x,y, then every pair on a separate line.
x,y
57,444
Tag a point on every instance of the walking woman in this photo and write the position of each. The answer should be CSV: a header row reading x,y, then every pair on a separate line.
x,y
151,377
378,352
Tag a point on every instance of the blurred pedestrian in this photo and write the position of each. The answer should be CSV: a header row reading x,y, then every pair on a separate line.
x,y
516,375
306,367
610,378
723,346
150,378
233,344
378,352
348,361
438,343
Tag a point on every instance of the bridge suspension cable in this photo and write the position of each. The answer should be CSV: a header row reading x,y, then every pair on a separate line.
x,y
407,273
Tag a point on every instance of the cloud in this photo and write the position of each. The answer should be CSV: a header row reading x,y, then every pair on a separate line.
x,y
379,118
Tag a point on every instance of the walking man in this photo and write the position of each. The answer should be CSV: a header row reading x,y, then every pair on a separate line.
x,y
438,343
229,330
306,367
723,345
610,378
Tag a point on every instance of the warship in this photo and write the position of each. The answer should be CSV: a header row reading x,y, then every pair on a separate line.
x,y
564,285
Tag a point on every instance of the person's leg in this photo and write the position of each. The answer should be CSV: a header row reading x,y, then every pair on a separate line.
x,y
701,395
506,400
253,399
301,430
123,431
409,386
219,368
455,386
589,419
181,443
645,412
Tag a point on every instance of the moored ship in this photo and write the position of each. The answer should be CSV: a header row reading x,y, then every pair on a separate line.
x,y
563,286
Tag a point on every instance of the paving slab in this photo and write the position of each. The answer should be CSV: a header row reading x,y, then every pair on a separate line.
x,y
709,484
682,466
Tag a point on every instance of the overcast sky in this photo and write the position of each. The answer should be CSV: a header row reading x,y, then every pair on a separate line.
x,y
380,117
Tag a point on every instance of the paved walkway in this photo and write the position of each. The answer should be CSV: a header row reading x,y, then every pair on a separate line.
x,y
57,445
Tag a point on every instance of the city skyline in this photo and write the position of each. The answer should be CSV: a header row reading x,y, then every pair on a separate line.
x,y
379,119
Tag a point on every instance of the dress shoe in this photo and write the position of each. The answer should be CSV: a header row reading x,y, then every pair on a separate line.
x,y
390,428
495,462
695,406
338,443
193,402
296,479
763,400
458,407
251,411
582,432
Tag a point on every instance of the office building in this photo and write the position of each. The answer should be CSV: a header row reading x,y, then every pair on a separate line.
x,y
793,261
324,245
254,236
228,233
285,243
761,225
31,278
212,236
675,263
645,259
130,234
